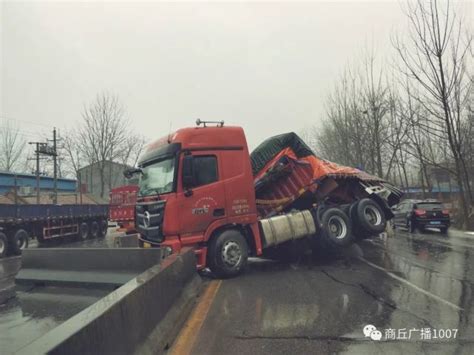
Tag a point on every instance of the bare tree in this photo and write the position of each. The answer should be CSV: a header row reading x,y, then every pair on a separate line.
x,y
131,149
435,57
72,148
103,132
359,125
11,146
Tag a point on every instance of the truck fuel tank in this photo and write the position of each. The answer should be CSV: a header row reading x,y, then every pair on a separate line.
x,y
280,229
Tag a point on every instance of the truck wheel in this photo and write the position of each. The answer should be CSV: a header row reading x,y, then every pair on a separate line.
x,y
318,214
19,241
336,227
83,231
104,226
3,245
368,216
228,254
94,229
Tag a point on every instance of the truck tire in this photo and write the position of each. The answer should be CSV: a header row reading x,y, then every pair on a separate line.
x,y
368,217
336,227
228,253
104,226
94,229
3,245
83,231
19,241
318,213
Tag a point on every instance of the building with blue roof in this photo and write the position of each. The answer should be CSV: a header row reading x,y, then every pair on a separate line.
x,y
26,183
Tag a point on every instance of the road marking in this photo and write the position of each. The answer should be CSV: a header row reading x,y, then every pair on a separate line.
x,y
187,336
408,283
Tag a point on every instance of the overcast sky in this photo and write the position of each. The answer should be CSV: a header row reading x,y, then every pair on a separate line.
x,y
264,66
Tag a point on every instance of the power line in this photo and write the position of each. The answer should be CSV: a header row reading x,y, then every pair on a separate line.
x,y
25,121
22,132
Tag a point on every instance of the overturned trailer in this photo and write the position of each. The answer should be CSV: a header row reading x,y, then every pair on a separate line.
x,y
289,176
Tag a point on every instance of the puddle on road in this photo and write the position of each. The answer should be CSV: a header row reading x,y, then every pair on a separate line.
x,y
33,313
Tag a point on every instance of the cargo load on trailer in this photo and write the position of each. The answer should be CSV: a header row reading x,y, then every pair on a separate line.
x,y
289,175
200,187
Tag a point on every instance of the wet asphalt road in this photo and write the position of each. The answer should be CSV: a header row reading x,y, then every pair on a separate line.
x,y
30,313
316,305
418,282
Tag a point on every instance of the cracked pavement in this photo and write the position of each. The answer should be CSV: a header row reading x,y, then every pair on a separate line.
x,y
313,305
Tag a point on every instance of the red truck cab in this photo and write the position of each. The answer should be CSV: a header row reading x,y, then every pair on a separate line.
x,y
196,184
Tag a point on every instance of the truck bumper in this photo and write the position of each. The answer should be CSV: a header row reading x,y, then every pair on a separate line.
x,y
173,246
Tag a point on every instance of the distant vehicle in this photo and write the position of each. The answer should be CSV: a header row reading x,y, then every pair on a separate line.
x,y
421,214
19,223
122,207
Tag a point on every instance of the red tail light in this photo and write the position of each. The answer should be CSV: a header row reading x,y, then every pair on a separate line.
x,y
420,212
446,212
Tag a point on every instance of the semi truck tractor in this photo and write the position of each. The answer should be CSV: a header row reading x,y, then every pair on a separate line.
x,y
45,222
200,187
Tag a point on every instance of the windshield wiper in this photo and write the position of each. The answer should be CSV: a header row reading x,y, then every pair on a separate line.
x,y
146,192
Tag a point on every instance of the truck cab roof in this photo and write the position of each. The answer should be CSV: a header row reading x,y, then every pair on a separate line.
x,y
195,138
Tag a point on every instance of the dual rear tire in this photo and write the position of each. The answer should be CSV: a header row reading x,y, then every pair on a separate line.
x,y
359,220
93,229
336,227
368,217
14,243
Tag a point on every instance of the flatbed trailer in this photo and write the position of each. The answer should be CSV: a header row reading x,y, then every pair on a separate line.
x,y
19,223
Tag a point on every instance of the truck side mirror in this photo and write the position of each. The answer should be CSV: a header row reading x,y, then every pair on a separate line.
x,y
188,176
128,173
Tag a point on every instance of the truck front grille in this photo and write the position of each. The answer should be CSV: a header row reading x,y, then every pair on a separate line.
x,y
149,220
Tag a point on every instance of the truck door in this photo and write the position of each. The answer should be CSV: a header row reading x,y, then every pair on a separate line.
x,y
204,202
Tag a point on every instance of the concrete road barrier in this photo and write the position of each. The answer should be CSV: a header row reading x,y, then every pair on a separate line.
x,y
8,269
101,267
126,241
143,316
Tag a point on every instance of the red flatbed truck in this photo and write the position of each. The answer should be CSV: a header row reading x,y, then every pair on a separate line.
x,y
122,207
200,187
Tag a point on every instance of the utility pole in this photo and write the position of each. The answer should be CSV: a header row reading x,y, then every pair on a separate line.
x,y
80,186
55,156
53,152
46,149
37,172
16,189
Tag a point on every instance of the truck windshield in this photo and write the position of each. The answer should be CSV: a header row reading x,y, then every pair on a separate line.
x,y
157,177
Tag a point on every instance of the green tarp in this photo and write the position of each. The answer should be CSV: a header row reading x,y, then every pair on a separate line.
x,y
267,150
